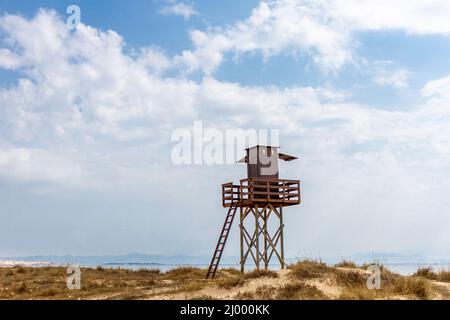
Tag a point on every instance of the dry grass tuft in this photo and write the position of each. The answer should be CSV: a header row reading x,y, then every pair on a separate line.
x,y
20,270
308,269
245,295
260,273
150,272
231,282
22,288
230,271
49,292
9,273
412,286
185,273
444,276
346,264
300,290
265,293
193,286
350,278
426,273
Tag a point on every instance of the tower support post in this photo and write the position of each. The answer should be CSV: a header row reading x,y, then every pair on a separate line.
x,y
241,232
265,216
256,235
256,240
283,265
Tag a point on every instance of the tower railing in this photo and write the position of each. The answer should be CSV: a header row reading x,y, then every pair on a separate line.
x,y
231,193
280,192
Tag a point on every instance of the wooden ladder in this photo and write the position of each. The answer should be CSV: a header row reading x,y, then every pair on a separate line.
x,y
222,240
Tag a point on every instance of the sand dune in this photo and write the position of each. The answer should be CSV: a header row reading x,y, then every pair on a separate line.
x,y
303,280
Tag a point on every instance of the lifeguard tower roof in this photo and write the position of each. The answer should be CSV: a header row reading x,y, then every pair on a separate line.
x,y
282,156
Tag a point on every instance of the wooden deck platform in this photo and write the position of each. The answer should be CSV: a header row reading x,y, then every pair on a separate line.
x,y
251,191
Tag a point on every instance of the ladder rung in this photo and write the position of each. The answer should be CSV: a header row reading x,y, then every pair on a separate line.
x,y
222,240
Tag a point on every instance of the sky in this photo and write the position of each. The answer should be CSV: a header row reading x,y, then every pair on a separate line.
x,y
359,90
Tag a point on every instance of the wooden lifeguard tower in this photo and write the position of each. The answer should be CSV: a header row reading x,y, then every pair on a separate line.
x,y
260,199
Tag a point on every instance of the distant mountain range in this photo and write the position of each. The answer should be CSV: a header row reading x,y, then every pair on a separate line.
x,y
381,257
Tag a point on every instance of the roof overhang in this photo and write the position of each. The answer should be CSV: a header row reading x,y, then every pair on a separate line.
x,y
281,156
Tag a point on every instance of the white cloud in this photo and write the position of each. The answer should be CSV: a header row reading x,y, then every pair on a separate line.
x,y
8,60
155,60
180,9
437,88
398,78
385,73
45,46
437,94
325,30
273,27
411,16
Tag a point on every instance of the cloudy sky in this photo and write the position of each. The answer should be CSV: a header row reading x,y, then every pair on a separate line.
x,y
360,90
